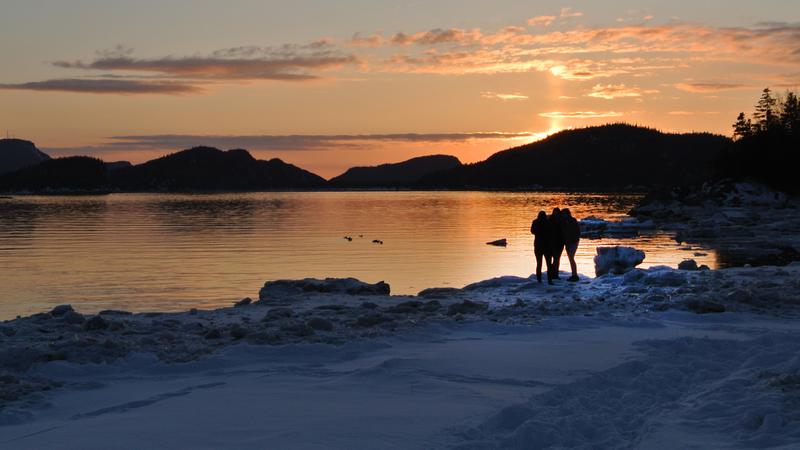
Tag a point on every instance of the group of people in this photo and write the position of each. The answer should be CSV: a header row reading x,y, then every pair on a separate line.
x,y
552,235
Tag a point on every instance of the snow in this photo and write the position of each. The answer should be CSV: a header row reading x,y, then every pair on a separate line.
x,y
569,382
617,361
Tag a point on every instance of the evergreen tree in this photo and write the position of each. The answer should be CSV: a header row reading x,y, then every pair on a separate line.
x,y
765,115
743,127
790,114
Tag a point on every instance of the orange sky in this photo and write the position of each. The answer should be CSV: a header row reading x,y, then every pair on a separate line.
x,y
364,84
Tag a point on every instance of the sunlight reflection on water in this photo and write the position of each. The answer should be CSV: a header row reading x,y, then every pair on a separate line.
x,y
173,252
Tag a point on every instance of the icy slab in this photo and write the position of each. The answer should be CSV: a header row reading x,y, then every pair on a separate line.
x,y
616,260
350,286
595,227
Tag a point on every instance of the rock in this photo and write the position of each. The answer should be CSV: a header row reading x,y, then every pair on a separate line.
x,y
688,264
95,323
350,286
665,278
703,306
499,243
320,324
656,298
40,317
506,280
238,332
740,296
466,307
634,276
616,260
7,331
243,302
114,312
278,313
369,305
60,310
73,318
704,268
116,325
405,307
331,307
213,334
438,292
298,329
432,306
370,320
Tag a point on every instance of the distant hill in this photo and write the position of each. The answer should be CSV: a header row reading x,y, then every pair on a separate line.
x,y
616,156
70,174
17,153
209,169
116,165
405,174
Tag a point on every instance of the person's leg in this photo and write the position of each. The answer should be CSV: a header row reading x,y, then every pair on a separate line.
x,y
557,261
548,259
539,256
571,250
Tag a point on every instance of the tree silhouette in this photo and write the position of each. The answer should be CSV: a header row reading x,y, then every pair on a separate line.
x,y
766,147
765,113
743,127
790,114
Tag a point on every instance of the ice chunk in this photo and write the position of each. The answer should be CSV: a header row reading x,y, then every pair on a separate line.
x,y
616,260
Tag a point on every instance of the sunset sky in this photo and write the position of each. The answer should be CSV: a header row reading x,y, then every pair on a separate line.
x,y
327,85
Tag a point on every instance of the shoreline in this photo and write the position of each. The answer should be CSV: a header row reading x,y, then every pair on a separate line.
x,y
621,191
53,363
334,311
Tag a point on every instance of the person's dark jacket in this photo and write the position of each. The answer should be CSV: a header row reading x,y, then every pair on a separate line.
x,y
541,229
570,230
557,236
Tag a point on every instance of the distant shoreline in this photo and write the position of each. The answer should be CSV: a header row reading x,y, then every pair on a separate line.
x,y
11,194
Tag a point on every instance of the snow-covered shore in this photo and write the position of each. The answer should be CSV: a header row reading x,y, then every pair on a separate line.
x,y
703,358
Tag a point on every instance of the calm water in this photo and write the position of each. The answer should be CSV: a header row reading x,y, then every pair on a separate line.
x,y
172,252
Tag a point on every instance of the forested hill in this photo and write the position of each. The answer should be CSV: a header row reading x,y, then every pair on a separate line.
x,y
402,174
210,169
17,154
615,156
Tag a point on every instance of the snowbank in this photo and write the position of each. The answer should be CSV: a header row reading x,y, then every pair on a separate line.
x,y
323,367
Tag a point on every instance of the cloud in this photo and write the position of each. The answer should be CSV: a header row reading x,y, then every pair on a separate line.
x,y
105,86
437,36
505,97
585,53
569,12
579,114
613,91
577,54
692,113
297,142
373,40
541,20
709,87
224,64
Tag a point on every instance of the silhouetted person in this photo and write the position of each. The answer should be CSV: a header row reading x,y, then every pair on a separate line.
x,y
556,241
542,244
571,231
